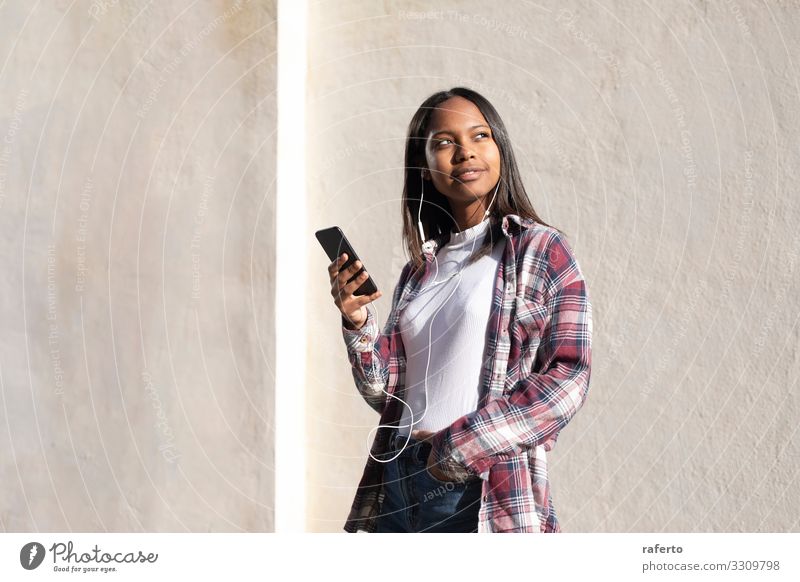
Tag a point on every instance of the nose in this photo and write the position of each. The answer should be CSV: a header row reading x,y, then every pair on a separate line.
x,y
463,153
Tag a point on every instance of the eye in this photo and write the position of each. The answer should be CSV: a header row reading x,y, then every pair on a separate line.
x,y
441,141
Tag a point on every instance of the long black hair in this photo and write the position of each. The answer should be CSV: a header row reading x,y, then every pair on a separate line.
x,y
437,219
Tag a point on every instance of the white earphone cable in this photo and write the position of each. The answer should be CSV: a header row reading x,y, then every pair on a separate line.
x,y
430,328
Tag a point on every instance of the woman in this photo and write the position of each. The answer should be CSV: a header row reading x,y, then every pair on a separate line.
x,y
493,298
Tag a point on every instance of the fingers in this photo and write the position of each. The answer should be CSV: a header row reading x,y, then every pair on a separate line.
x,y
333,268
342,291
343,276
350,288
349,302
362,300
340,278
421,434
346,292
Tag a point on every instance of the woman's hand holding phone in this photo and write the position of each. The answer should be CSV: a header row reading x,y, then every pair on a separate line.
x,y
352,306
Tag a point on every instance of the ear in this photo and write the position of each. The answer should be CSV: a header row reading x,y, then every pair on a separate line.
x,y
426,175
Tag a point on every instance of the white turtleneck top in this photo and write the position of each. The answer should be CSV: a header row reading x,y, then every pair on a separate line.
x,y
453,308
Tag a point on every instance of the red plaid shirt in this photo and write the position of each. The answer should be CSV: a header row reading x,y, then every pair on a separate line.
x,y
535,378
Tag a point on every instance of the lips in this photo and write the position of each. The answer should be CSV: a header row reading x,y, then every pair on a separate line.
x,y
468,173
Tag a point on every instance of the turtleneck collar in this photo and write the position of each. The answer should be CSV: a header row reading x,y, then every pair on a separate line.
x,y
458,239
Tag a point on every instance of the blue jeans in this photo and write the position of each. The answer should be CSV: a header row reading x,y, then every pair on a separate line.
x,y
416,501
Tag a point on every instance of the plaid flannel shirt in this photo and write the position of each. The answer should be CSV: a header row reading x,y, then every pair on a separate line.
x,y
535,378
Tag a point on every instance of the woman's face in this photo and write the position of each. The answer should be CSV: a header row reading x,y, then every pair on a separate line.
x,y
459,138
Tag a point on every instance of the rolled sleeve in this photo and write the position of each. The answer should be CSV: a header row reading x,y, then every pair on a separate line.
x,y
363,339
372,352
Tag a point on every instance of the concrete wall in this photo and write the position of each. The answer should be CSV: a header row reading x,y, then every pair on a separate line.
x,y
136,214
662,138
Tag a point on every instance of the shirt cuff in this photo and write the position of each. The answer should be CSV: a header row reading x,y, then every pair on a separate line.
x,y
450,462
361,340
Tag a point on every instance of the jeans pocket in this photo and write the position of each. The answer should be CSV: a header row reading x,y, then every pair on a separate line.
x,y
451,485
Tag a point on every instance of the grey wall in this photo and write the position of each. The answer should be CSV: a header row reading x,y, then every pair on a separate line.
x,y
662,138
136,213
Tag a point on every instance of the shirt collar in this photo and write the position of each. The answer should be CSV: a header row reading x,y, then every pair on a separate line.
x,y
511,224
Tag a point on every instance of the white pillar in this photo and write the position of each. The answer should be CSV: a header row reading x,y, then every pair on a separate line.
x,y
290,276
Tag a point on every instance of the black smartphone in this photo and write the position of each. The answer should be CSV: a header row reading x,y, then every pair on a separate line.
x,y
335,243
